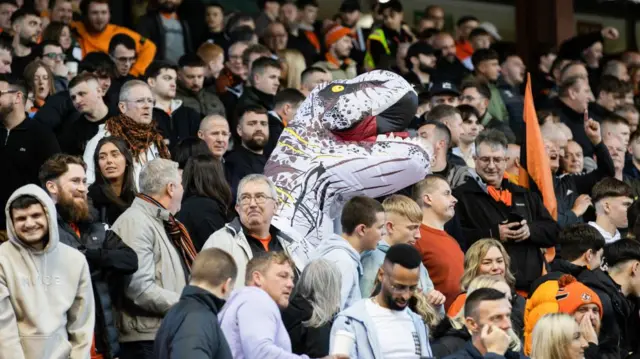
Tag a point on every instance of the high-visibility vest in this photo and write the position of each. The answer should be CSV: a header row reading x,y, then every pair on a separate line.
x,y
376,35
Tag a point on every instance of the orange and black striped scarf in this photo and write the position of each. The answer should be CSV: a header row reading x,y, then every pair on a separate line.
x,y
178,234
138,136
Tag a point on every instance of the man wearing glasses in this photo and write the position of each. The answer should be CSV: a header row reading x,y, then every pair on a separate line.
x,y
252,232
25,144
54,57
490,206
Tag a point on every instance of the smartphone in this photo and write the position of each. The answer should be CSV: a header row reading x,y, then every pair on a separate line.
x,y
515,218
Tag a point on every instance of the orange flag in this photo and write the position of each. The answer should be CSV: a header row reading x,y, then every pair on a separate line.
x,y
536,165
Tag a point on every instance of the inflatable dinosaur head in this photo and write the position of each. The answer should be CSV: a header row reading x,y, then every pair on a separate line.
x,y
347,139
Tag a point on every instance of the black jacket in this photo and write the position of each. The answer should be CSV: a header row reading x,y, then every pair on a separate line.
x,y
470,352
454,71
567,188
447,340
150,26
75,133
23,150
190,328
201,216
241,162
514,102
615,340
252,96
58,110
313,342
575,122
480,216
108,211
109,261
598,112
182,123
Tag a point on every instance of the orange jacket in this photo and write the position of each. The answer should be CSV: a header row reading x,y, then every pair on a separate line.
x,y
145,48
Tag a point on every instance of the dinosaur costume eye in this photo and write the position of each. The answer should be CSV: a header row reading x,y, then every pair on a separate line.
x,y
337,88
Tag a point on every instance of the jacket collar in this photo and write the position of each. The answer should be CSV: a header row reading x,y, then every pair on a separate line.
x,y
265,100
207,298
151,210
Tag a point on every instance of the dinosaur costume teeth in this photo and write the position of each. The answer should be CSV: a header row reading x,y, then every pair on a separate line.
x,y
336,148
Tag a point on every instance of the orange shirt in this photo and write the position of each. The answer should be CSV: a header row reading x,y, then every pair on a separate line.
x,y
265,242
463,50
442,256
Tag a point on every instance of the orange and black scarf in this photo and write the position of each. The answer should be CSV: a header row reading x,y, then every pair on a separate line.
x,y
138,136
503,195
178,234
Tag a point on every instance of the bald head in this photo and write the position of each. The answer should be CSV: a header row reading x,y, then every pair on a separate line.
x,y
444,42
214,130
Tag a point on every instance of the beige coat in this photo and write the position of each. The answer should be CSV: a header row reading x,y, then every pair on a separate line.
x,y
47,309
160,278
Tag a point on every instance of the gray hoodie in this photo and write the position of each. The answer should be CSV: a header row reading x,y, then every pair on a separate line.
x,y
337,250
47,309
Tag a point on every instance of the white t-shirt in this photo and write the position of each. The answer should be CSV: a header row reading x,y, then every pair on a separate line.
x,y
608,237
397,335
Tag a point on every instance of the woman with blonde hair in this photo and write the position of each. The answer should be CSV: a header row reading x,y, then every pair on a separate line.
x,y
558,336
450,335
294,64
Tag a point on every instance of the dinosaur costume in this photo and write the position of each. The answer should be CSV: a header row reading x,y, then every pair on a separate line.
x,y
345,140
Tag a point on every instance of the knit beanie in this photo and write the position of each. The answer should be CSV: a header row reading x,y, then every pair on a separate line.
x,y
573,294
334,34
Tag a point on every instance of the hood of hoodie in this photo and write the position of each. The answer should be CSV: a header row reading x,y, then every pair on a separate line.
x,y
50,208
298,310
336,242
173,106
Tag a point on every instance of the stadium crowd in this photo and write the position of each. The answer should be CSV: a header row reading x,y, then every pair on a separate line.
x,y
138,221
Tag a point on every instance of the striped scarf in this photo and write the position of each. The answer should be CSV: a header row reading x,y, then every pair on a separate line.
x,y
178,234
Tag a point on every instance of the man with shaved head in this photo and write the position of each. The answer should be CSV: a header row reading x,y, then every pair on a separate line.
x,y
448,66
214,130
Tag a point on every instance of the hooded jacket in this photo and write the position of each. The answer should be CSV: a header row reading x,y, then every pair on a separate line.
x,y
204,102
356,320
337,250
447,340
252,324
372,261
313,342
47,307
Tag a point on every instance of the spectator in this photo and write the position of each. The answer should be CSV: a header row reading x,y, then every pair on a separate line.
x,y
213,57
512,70
26,26
187,148
616,69
630,113
165,256
573,160
616,149
487,69
115,188
438,134
264,80
349,17
86,96
450,117
122,49
444,93
310,313
214,130
558,336
611,199
421,62
36,323
312,77
291,64
402,225
207,198
94,33
477,93
287,103
26,149
479,38
464,26
362,223
384,325
574,95
61,10
486,200
308,10
542,81
191,328
339,43
433,194
252,232
191,89
383,43
39,80
215,19
486,314
435,13
616,127
6,57
632,167
174,120
7,8
234,72
63,177
249,156
607,99
449,68
269,13
276,37
163,26
135,125
470,130
54,58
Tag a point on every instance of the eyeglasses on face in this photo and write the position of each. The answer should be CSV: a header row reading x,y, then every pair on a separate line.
x,y
144,101
485,160
260,198
53,56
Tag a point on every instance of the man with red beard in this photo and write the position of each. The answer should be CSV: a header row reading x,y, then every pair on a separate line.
x,y
249,156
63,176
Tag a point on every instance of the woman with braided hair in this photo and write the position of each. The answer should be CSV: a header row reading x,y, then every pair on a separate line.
x,y
135,125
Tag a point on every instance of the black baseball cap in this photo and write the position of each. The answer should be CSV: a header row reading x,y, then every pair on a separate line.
x,y
444,88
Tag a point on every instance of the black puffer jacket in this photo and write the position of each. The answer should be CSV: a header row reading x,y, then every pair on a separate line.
x,y
109,260
447,340
313,342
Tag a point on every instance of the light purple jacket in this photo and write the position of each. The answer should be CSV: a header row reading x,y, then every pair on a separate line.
x,y
252,325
